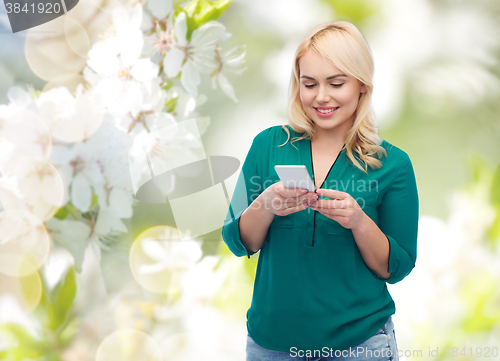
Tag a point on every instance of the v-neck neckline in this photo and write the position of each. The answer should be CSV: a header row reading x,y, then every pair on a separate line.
x,y
334,168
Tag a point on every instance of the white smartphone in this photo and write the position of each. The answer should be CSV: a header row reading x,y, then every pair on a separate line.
x,y
295,176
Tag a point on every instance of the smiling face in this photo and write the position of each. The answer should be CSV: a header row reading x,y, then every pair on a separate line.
x,y
329,96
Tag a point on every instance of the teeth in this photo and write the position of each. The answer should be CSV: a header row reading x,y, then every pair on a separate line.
x,y
326,111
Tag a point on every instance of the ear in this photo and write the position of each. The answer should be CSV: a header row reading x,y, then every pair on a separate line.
x,y
363,89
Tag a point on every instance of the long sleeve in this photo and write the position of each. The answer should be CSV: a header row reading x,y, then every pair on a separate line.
x,y
248,188
398,220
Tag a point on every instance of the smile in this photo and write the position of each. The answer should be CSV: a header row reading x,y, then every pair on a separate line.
x,y
326,112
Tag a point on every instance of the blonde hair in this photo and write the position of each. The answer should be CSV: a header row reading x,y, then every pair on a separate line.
x,y
343,45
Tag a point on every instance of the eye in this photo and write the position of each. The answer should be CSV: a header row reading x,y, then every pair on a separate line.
x,y
337,85
309,86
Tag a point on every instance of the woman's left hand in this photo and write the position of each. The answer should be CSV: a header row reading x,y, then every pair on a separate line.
x,y
341,208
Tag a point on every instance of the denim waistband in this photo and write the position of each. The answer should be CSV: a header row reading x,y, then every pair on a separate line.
x,y
389,325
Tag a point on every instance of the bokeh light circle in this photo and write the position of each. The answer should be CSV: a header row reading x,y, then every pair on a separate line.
x,y
69,81
23,235
48,51
128,345
71,117
27,134
34,185
26,289
159,256
178,347
76,36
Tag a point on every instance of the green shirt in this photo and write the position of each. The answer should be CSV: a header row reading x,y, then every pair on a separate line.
x,y
312,288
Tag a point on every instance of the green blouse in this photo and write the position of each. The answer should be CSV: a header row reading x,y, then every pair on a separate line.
x,y
312,288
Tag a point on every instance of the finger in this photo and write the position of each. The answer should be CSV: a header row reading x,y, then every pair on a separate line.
x,y
280,202
309,197
295,201
338,218
294,209
345,203
328,204
334,212
290,192
331,193
297,195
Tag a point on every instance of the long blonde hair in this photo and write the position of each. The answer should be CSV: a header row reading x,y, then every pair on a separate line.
x,y
343,45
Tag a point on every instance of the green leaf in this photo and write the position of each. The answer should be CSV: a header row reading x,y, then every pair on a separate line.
x,y
177,10
191,26
30,286
62,213
67,291
190,10
61,300
94,200
69,208
27,346
87,215
210,11
69,332
42,309
167,85
72,208
192,7
170,105
199,12
204,8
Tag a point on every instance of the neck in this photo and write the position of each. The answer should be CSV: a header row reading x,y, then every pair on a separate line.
x,y
329,140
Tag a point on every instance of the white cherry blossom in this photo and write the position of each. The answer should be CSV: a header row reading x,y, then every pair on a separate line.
x,y
126,87
184,106
88,167
115,204
75,236
161,39
21,99
172,255
230,61
86,136
80,172
151,116
22,134
71,118
120,76
160,8
193,57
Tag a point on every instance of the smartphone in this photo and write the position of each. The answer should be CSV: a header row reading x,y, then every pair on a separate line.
x,y
295,176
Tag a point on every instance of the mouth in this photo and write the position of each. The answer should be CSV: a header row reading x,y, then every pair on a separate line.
x,y
325,112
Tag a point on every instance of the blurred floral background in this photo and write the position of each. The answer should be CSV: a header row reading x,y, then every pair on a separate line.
x,y
83,272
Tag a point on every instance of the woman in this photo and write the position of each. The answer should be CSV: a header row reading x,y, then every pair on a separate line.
x,y
320,290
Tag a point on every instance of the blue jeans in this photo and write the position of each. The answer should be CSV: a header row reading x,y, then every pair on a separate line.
x,y
380,347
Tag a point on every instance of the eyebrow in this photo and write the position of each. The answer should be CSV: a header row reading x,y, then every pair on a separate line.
x,y
330,77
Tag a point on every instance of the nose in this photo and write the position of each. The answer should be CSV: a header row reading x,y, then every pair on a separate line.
x,y
323,95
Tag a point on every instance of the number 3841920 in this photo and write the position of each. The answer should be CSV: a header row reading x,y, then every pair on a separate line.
x,y
40,8
470,351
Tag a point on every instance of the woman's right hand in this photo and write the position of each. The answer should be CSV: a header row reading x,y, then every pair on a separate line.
x,y
284,201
